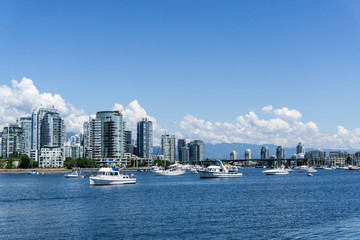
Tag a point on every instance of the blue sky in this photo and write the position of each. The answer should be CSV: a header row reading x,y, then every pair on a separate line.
x,y
214,60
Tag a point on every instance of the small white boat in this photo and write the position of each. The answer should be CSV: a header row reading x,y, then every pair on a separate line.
x,y
277,171
310,174
33,172
111,176
218,170
155,169
311,170
74,174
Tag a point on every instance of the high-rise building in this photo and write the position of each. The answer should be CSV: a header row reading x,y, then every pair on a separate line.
x,y
264,154
36,117
52,130
300,148
73,148
86,140
197,151
248,154
180,145
145,138
12,140
280,152
128,137
168,147
233,155
185,154
107,139
26,124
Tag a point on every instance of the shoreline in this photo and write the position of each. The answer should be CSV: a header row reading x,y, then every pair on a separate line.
x,y
39,170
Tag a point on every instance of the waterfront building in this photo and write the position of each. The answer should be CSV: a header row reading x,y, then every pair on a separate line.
x,y
73,148
26,124
315,154
52,130
180,145
36,118
338,154
248,154
197,151
280,152
264,154
168,147
107,138
51,157
86,140
300,148
12,140
185,154
145,138
233,155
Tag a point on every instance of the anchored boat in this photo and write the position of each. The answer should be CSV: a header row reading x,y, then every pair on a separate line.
x,y
111,176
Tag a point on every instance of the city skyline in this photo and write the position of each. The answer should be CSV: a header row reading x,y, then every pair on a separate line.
x,y
271,72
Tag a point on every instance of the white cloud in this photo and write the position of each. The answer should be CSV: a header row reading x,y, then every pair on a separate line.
x,y
133,113
283,113
18,100
283,129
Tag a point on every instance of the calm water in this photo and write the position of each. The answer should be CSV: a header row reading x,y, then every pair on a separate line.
x,y
296,206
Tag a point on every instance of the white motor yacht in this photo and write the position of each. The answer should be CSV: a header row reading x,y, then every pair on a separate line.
x,y
170,172
173,170
111,176
276,171
218,170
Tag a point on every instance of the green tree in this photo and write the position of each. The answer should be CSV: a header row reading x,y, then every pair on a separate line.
x,y
69,163
2,163
10,162
25,161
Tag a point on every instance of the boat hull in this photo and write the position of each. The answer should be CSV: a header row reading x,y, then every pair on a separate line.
x,y
74,176
102,181
170,173
276,172
220,175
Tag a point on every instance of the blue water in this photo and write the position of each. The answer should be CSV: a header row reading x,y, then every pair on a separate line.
x,y
257,206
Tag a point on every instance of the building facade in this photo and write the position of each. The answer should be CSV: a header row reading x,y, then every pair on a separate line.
x,y
233,155
300,148
197,151
107,139
145,138
51,157
12,140
180,145
248,154
26,123
168,147
264,154
280,152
